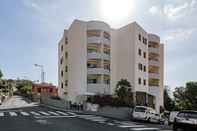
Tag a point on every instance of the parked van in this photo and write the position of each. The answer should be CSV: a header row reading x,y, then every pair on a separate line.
x,y
144,113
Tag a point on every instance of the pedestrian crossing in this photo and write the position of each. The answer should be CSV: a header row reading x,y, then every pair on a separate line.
x,y
32,113
121,124
94,118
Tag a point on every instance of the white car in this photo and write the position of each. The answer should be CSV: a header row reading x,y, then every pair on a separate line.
x,y
172,116
145,113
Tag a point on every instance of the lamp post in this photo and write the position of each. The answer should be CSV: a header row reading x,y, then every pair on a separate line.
x,y
42,71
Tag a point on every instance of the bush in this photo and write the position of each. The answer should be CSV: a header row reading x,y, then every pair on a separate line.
x,y
108,100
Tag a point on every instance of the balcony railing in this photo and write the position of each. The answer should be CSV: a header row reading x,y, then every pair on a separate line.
x,y
98,88
98,71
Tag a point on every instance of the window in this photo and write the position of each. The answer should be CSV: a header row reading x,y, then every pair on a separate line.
x,y
139,37
145,41
62,73
62,86
144,54
62,48
144,82
66,69
144,68
66,55
106,35
66,40
153,82
140,66
153,69
91,33
66,82
61,60
140,52
139,81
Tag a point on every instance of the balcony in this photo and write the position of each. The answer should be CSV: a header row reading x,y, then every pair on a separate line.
x,y
98,71
97,55
98,88
106,41
153,50
154,75
94,39
154,62
94,55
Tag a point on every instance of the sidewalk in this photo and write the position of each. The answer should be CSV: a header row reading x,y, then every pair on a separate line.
x,y
16,102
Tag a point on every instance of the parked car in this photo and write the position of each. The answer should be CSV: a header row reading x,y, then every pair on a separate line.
x,y
145,114
172,116
185,121
164,117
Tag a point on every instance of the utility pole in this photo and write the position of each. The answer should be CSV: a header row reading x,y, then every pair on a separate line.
x,y
42,72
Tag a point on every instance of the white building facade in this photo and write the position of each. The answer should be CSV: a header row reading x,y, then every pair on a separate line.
x,y
93,57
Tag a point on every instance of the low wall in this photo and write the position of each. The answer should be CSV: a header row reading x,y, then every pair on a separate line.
x,y
115,112
47,100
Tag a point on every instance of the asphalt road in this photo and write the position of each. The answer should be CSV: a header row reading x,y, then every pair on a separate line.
x,y
40,118
19,115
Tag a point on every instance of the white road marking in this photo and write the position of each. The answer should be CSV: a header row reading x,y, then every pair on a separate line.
x,y
35,113
44,113
72,113
1,114
110,124
95,118
62,113
54,116
24,113
12,113
144,129
53,113
129,126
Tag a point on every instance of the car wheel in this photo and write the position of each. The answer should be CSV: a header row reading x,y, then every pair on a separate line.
x,y
179,129
149,119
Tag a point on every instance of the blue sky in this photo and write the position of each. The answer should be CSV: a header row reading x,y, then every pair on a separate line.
x,y
31,29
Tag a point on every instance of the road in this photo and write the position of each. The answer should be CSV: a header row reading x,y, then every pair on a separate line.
x,y
39,118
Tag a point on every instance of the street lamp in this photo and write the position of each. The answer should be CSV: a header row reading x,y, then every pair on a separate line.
x,y
42,71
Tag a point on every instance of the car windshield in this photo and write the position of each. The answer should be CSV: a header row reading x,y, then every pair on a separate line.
x,y
192,115
140,109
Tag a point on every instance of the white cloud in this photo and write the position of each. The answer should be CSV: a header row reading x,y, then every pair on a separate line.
x,y
154,10
172,11
178,34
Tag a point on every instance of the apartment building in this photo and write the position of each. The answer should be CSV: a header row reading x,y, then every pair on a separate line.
x,y
93,57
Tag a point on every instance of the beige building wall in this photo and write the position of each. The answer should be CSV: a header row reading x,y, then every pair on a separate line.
x,y
124,59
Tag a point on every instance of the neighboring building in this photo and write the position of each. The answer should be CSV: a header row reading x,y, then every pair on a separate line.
x,y
45,88
93,57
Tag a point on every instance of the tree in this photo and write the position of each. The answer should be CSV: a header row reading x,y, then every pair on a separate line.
x,y
168,102
24,87
186,97
124,92
1,74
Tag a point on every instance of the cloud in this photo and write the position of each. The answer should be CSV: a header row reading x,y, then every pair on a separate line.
x,y
174,11
178,34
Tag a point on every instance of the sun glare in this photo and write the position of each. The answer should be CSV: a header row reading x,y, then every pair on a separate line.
x,y
116,10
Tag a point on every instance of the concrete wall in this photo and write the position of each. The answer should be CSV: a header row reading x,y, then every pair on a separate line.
x,y
114,112
47,100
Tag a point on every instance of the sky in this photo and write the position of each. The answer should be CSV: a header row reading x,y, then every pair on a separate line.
x,y
30,31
